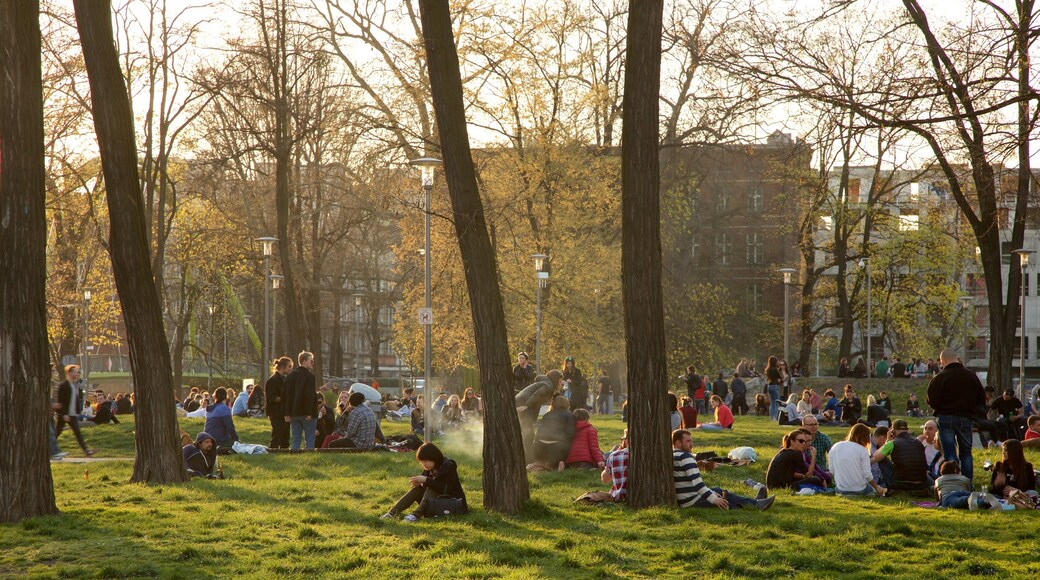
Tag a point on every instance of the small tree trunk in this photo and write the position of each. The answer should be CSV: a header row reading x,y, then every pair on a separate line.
x,y
158,448
650,482
26,488
505,478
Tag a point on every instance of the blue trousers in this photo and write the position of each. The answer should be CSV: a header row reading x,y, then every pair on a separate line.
x,y
955,438
300,426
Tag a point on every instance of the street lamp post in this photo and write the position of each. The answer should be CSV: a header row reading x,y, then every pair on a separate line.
x,y
542,278
865,263
86,338
276,284
788,276
1023,261
357,333
268,247
427,166
212,346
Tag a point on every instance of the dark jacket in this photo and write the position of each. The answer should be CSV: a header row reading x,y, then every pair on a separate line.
x,y
65,398
445,481
538,393
908,460
693,382
557,426
300,393
955,391
219,424
274,390
522,376
124,406
197,462
103,414
783,466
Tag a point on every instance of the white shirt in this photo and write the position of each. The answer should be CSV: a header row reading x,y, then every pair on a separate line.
x,y
73,397
850,464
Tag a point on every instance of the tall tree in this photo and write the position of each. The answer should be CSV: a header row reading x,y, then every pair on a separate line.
x,y
505,479
26,487
158,458
650,482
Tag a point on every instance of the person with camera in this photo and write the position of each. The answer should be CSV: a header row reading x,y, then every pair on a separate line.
x,y
437,490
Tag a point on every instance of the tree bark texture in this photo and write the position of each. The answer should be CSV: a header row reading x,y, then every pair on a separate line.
x,y
505,477
158,457
26,488
650,479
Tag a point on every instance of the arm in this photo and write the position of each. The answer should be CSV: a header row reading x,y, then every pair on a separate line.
x,y
445,475
597,453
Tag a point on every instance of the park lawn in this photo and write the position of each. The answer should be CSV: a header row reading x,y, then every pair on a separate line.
x,y
318,515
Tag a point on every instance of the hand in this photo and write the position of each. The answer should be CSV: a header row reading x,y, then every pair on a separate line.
x,y
812,452
418,480
601,465
881,490
721,503
68,419
521,408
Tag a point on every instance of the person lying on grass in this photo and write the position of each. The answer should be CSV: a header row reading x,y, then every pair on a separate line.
x,y
439,478
200,457
788,468
690,489
951,488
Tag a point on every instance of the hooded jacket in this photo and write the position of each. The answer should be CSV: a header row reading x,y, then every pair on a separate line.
x,y
240,408
196,461
585,445
219,424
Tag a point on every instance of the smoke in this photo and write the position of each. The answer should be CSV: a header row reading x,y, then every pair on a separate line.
x,y
467,440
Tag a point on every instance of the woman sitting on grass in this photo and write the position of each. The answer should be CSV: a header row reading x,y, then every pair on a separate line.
x,y
585,452
1013,472
674,415
761,405
850,463
787,468
804,406
440,477
452,414
723,416
789,412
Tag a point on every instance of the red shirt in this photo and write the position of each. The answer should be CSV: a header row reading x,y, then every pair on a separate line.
x,y
723,416
585,445
1030,434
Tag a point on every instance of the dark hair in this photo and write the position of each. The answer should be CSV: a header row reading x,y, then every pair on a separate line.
x,y
678,434
829,392
1015,462
220,394
949,468
1033,419
430,452
879,431
581,415
673,402
356,399
691,369
283,362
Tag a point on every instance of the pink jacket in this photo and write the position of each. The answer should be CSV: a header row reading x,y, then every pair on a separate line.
x,y
585,445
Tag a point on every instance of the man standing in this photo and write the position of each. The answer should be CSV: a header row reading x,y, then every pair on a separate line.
x,y
70,401
820,441
720,388
739,391
603,398
954,394
300,394
274,393
690,489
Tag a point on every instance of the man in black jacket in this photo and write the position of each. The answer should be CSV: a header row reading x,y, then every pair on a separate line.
x,y
955,394
70,401
274,393
300,401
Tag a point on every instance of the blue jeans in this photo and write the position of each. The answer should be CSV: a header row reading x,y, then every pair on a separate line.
x,y
301,426
868,490
955,438
774,400
701,409
735,501
711,427
955,499
53,439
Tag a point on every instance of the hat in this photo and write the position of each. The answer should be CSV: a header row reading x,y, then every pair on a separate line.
x,y
900,425
570,358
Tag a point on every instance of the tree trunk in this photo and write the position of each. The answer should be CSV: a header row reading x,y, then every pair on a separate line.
x,y
336,337
650,480
158,457
505,478
26,488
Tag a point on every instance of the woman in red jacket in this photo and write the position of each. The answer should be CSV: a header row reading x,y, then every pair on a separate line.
x,y
585,452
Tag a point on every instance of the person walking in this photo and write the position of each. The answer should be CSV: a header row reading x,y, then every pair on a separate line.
x,y
955,394
275,402
70,401
773,379
300,395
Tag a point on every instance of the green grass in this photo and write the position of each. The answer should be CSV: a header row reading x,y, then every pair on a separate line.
x,y
317,515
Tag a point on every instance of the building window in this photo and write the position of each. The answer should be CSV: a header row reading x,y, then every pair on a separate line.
x,y
853,193
909,222
915,192
723,249
755,249
722,201
826,223
755,199
754,299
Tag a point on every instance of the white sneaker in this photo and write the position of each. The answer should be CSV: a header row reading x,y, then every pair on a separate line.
x,y
973,501
58,456
387,516
410,518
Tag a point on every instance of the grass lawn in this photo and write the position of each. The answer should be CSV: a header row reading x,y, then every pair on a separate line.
x,y
318,515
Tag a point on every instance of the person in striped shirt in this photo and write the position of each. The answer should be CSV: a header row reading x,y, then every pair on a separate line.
x,y
690,489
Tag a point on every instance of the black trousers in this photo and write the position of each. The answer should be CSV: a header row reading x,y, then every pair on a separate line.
x,y
279,433
740,406
414,495
74,425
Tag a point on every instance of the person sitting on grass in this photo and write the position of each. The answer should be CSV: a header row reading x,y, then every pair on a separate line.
x,y
851,406
615,472
689,413
850,463
913,407
932,450
902,460
789,412
875,412
690,489
761,405
440,477
360,432
103,413
723,416
820,441
951,488
788,468
200,457
675,416
452,414
552,442
585,452
240,408
416,416
1032,439
804,406
219,423
1013,472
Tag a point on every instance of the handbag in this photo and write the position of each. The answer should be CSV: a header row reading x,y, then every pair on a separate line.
x,y
445,505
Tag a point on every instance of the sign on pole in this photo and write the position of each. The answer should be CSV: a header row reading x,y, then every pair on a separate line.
x,y
426,316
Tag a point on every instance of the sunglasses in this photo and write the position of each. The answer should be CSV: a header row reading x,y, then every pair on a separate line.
x,y
802,440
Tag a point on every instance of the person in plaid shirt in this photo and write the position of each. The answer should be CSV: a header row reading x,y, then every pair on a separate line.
x,y
820,441
361,429
616,471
